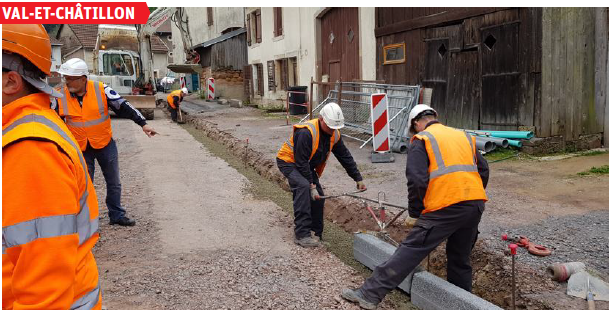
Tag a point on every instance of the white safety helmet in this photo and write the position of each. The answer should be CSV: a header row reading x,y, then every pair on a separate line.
x,y
185,90
418,109
74,67
332,115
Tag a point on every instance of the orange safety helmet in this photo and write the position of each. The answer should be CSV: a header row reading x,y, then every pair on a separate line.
x,y
31,42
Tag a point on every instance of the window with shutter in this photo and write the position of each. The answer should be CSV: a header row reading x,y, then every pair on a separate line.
x,y
209,13
271,81
278,21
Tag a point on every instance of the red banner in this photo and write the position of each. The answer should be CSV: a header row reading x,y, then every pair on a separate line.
x,y
74,12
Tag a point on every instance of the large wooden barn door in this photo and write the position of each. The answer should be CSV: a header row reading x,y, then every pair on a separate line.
x,y
500,77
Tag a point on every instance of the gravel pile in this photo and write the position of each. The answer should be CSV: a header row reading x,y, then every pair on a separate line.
x,y
583,238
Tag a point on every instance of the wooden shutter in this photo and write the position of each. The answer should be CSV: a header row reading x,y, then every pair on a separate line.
x,y
284,74
278,22
271,80
209,13
260,84
258,26
248,24
248,81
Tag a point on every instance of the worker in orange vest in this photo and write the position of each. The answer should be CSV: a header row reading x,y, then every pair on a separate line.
x,y
447,178
49,205
302,159
85,107
174,100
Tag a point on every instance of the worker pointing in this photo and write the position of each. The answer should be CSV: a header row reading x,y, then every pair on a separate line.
x,y
302,160
174,100
49,205
447,177
85,107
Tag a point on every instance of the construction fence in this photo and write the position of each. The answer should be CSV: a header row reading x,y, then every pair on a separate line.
x,y
355,100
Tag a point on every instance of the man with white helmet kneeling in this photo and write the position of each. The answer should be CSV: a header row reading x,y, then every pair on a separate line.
x,y
302,159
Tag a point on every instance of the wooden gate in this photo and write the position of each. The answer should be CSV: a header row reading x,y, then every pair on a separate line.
x,y
340,44
500,77
436,74
463,91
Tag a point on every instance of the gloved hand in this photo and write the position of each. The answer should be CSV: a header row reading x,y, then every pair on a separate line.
x,y
410,221
314,194
361,186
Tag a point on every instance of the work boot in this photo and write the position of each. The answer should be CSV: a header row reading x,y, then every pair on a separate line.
x,y
355,296
320,239
123,221
307,242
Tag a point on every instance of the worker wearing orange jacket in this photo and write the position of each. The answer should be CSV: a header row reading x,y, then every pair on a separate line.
x,y
174,101
49,205
447,177
85,108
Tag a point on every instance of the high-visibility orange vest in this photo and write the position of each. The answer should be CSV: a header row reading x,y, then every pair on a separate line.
x,y
170,98
49,212
90,122
286,151
453,173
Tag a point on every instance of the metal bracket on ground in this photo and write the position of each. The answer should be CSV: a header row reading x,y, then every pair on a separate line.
x,y
382,157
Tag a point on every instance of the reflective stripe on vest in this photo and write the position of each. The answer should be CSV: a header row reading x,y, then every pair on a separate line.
x,y
87,301
442,168
315,136
103,116
51,226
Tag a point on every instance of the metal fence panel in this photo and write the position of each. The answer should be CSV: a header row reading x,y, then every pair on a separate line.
x,y
355,103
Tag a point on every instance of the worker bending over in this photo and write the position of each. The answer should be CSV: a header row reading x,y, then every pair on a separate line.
x,y
174,101
447,177
302,160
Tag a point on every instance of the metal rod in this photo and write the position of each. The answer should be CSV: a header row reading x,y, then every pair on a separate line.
x,y
343,194
310,98
376,201
287,101
513,286
396,217
340,92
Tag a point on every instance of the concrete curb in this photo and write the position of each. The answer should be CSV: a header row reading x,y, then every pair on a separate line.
x,y
371,252
426,290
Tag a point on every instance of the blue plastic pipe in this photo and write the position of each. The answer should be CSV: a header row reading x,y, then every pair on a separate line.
x,y
505,134
515,143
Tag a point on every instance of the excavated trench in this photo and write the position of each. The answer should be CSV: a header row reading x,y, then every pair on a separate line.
x,y
491,268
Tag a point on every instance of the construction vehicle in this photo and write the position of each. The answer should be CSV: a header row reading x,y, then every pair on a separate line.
x,y
117,63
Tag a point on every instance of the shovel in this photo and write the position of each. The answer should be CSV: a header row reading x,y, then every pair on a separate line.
x,y
583,285
180,116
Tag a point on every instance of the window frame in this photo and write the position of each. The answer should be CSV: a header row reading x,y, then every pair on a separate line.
x,y
394,46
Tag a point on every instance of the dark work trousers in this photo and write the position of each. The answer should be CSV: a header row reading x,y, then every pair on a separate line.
x,y
458,223
308,213
108,159
173,113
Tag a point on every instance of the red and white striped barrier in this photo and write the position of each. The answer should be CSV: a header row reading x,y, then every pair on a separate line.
x,y
210,85
380,123
183,83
